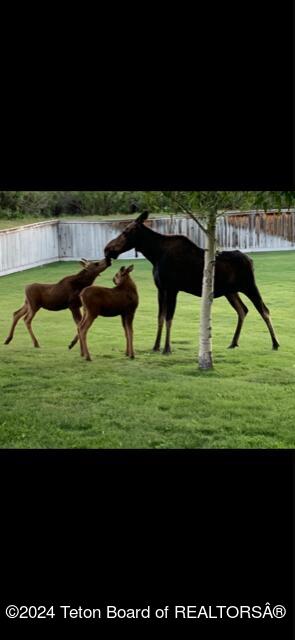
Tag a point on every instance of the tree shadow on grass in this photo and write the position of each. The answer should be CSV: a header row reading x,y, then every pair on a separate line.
x,y
197,373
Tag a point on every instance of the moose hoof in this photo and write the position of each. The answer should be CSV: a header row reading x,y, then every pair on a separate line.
x,y
232,346
275,347
167,352
156,349
8,340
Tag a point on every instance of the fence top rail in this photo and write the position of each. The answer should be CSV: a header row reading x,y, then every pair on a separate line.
x,y
180,215
238,212
119,220
57,221
31,225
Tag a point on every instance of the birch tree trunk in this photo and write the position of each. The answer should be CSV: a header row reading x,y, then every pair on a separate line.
x,y
205,340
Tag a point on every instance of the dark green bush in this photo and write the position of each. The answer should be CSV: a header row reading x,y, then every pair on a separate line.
x,y
18,204
53,204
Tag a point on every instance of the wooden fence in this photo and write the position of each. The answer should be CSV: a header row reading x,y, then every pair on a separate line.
x,y
44,242
29,246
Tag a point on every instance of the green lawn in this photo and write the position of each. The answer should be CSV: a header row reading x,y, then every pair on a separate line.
x,y
52,398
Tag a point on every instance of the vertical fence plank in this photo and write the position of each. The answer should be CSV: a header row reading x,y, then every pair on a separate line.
x,y
36,244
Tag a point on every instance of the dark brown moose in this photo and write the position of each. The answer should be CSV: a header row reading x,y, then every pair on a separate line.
x,y
121,300
178,265
65,294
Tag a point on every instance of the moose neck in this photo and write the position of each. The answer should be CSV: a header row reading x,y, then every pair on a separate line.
x,y
150,243
85,277
127,283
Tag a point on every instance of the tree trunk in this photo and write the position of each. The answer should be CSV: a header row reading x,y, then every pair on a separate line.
x,y
205,343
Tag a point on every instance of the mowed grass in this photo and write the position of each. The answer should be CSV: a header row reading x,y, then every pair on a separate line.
x,y
51,397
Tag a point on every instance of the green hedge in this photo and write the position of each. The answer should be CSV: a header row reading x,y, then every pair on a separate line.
x,y
20,204
52,204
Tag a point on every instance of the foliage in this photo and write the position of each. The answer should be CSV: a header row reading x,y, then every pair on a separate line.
x,y
201,202
21,204
275,199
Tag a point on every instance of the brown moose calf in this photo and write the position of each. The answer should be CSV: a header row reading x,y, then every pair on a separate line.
x,y
65,294
121,300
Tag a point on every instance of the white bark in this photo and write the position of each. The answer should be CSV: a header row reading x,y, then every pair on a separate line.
x,y
205,341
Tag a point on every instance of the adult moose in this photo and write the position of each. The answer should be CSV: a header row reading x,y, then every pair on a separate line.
x,y
178,265
65,294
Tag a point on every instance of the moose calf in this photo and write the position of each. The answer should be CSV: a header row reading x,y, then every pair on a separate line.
x,y
65,294
121,300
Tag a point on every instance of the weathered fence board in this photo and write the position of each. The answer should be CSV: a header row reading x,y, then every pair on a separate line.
x,y
36,244
87,239
29,246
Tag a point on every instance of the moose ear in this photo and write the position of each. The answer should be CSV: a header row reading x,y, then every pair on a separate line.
x,y
143,216
83,262
130,268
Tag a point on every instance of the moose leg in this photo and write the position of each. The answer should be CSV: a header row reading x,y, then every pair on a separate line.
x,y
161,318
241,309
256,298
28,322
77,317
83,329
16,317
129,335
80,326
171,304
123,318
